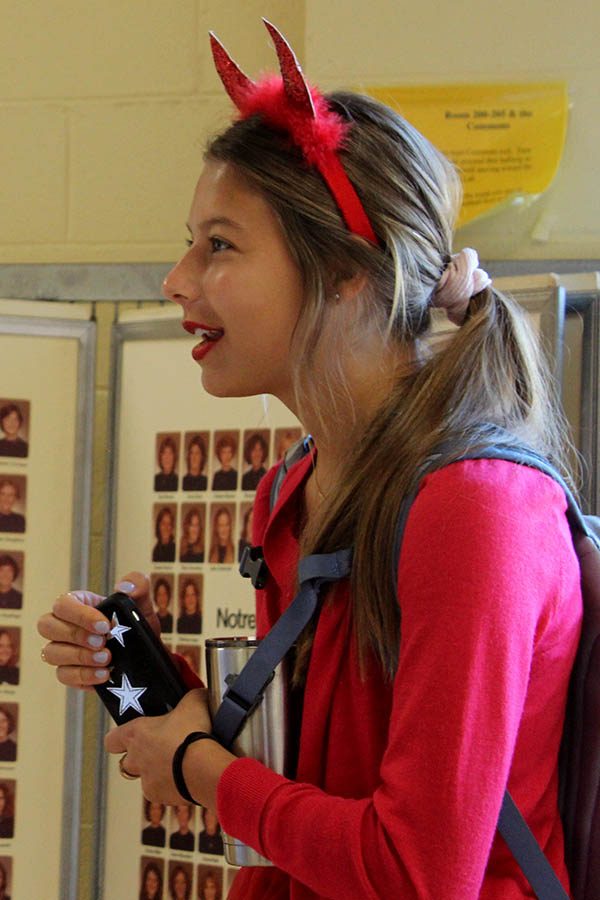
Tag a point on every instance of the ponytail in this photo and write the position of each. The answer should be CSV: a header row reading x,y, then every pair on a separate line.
x,y
488,381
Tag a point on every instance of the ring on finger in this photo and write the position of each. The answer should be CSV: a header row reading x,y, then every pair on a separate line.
x,y
125,774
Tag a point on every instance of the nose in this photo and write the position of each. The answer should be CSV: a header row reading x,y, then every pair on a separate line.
x,y
182,284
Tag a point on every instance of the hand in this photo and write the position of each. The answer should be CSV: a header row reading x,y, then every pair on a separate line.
x,y
150,743
77,632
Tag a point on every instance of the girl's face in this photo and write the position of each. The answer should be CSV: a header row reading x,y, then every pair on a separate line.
x,y
152,884
223,526
194,529
256,455
239,282
190,599
2,801
165,528
161,598
6,649
211,823
167,460
7,576
4,727
155,813
210,889
226,457
180,886
11,425
195,458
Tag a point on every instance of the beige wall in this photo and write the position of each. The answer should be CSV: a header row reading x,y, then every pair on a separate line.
x,y
104,109
391,42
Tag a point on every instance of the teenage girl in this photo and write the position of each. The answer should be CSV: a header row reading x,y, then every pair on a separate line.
x,y
313,266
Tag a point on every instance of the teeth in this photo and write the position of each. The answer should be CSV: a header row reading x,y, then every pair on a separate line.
x,y
209,334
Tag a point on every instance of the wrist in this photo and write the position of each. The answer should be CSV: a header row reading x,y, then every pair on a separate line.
x,y
203,764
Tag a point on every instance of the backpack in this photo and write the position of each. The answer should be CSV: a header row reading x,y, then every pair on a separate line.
x,y
579,764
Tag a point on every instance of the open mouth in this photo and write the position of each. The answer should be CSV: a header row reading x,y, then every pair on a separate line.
x,y
204,332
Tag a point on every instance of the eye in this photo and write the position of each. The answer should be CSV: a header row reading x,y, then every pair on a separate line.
x,y
218,244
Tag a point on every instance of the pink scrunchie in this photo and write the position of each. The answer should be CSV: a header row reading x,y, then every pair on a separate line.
x,y
461,280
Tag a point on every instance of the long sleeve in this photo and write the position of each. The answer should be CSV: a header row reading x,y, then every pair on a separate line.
x,y
490,604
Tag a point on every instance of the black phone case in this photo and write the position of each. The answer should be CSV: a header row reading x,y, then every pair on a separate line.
x,y
143,678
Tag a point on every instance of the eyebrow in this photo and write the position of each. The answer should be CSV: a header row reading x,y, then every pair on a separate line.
x,y
216,220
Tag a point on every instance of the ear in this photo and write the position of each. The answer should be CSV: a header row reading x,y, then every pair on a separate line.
x,y
347,287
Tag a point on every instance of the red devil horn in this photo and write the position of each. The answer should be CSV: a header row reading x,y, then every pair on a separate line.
x,y
235,82
296,88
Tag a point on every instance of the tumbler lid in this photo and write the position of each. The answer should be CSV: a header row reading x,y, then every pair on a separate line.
x,y
212,643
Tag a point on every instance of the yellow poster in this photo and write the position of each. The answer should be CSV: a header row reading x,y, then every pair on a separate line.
x,y
506,139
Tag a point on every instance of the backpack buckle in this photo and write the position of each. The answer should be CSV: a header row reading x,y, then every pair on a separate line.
x,y
254,567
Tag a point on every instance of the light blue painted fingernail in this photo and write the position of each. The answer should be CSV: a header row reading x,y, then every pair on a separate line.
x,y
126,587
101,656
94,640
102,627
101,673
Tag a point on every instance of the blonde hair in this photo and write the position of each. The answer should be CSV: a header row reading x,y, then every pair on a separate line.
x,y
490,376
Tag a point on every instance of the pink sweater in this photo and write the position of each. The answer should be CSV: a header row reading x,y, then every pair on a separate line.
x,y
399,785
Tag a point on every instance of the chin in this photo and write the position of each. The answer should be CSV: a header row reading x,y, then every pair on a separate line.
x,y
219,388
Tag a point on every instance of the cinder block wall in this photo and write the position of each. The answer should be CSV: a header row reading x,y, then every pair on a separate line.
x,y
479,41
104,110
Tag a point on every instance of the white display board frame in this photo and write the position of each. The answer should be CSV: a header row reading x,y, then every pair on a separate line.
x,y
39,321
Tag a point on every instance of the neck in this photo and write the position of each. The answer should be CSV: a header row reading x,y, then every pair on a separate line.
x,y
335,430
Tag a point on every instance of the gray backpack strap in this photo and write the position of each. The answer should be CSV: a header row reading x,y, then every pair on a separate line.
x,y
295,453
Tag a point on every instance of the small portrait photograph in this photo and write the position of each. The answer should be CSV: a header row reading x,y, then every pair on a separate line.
x,y
222,524
6,865
8,789
167,455
14,428
164,516
196,458
161,587
153,829
9,726
180,880
245,537
210,883
226,445
12,503
256,458
209,838
11,579
10,647
193,532
182,827
191,654
189,590
284,439
152,876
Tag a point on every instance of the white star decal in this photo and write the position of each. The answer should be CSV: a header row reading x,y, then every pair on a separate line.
x,y
117,631
128,696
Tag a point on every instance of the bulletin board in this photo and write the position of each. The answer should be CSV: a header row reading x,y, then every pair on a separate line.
x,y
185,524
46,413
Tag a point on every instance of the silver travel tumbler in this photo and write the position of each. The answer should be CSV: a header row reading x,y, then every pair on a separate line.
x,y
264,735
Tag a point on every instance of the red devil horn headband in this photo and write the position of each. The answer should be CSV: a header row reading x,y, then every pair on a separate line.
x,y
289,104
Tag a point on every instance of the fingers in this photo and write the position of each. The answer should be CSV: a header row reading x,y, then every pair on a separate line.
x,y
82,676
115,740
56,654
72,616
135,584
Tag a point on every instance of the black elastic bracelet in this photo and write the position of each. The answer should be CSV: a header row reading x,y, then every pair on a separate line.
x,y
177,764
